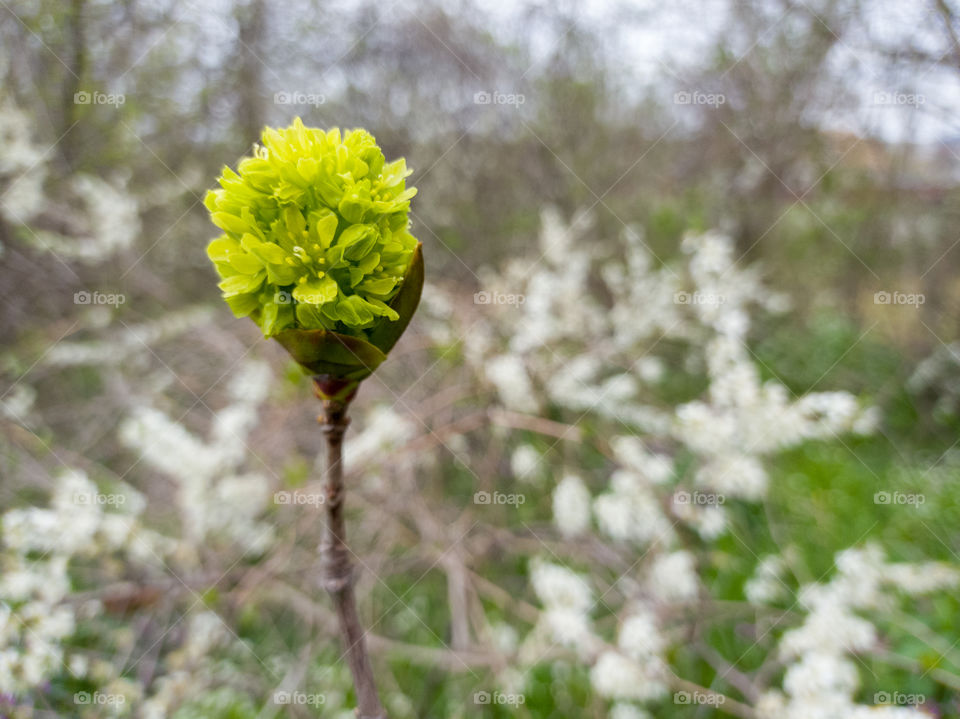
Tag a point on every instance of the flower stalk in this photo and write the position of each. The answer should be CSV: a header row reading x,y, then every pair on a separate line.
x,y
338,576
316,249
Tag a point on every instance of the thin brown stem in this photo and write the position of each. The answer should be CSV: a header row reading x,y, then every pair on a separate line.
x,y
338,578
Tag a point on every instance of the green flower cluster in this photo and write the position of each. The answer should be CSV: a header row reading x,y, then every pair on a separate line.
x,y
315,232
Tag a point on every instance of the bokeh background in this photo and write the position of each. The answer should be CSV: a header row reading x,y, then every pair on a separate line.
x,y
819,137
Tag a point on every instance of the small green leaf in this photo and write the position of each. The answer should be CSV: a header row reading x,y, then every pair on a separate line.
x,y
220,249
323,227
379,287
239,284
369,263
354,234
245,263
228,222
316,292
294,221
243,305
264,250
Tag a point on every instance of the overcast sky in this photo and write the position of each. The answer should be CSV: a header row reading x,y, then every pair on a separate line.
x,y
896,104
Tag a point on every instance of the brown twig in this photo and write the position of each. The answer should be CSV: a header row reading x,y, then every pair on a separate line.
x,y
532,423
449,659
338,576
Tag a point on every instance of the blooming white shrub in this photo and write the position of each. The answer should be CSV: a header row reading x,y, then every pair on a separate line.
x,y
22,171
214,497
85,522
102,216
631,506
597,355
822,674
38,544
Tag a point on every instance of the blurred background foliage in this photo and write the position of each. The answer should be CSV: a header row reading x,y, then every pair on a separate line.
x,y
837,194
797,163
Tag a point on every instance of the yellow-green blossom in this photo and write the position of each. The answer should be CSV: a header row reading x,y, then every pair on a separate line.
x,y
315,232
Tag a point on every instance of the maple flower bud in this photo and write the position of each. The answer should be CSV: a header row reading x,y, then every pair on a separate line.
x,y
316,247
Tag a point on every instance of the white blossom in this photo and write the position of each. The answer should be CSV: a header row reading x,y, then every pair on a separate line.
x,y
571,506
616,676
673,576
560,587
820,674
766,585
640,637
567,600
508,375
525,461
